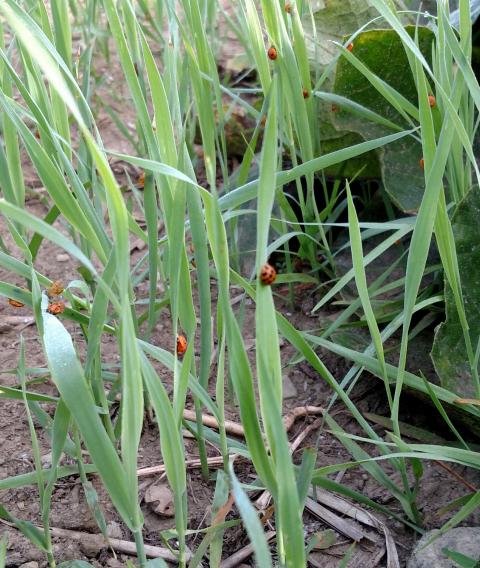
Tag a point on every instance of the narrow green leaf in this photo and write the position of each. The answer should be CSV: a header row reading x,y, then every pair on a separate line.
x,y
252,523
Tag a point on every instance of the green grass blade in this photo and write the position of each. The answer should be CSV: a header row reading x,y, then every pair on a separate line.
x,y
68,375
252,523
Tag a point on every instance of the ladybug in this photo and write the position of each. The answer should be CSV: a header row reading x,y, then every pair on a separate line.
x,y
56,308
141,180
263,122
306,93
15,303
268,274
37,134
350,47
334,108
432,101
272,53
181,344
55,289
288,8
422,163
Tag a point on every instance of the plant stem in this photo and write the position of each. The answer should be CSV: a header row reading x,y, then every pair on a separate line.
x,y
141,556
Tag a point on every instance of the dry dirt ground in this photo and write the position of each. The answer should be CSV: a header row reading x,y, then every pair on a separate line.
x,y
69,507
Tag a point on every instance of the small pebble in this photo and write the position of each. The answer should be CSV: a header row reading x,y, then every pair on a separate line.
x,y
92,545
289,389
62,257
114,563
461,539
114,530
46,459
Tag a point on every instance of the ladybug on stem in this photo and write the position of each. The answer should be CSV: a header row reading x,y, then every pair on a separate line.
x,y
56,308
268,274
181,344
55,289
141,180
272,53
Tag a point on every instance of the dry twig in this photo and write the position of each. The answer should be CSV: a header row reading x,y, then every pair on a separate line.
x,y
216,461
124,546
237,429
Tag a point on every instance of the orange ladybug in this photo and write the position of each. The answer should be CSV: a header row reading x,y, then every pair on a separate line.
x,y
334,108
55,289
37,134
56,308
306,93
264,120
432,101
268,274
141,180
15,303
288,8
350,47
422,163
181,344
272,53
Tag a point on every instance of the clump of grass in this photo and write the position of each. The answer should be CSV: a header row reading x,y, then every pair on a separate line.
x,y
170,94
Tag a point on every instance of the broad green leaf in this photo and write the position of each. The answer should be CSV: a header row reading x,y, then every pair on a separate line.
x,y
449,352
70,380
332,21
377,76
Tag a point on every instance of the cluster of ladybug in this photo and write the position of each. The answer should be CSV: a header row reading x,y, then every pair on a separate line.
x,y
272,52
267,277
55,306
432,101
